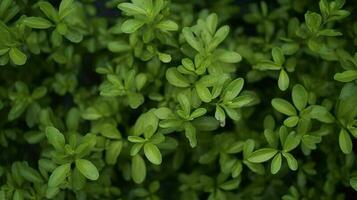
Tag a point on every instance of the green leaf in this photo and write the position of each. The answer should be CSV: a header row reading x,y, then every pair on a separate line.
x,y
283,81
267,65
283,106
163,113
203,92
329,33
131,25
91,114
190,132
232,113
113,151
65,8
229,57
165,58
152,153
299,96
291,142
136,148
278,56
218,38
39,92
88,169
132,9
275,164
220,115
212,21
49,10
167,25
191,40
138,169
136,139
198,113
233,89
17,56
176,78
345,141
230,185
118,46
55,138
353,183
292,162
30,174
321,114
17,110
188,64
18,195
291,121
73,36
262,155
135,100
346,76
313,21
37,22
59,175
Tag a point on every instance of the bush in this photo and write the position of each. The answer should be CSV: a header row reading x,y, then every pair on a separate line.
x,y
180,99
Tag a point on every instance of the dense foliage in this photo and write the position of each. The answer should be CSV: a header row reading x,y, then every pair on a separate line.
x,y
178,99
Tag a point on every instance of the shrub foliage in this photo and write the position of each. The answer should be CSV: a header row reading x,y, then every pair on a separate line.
x,y
178,99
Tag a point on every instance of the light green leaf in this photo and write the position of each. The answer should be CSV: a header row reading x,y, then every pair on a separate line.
x,y
275,164
164,57
49,10
190,132
283,81
198,113
321,114
291,121
353,183
220,115
55,138
138,169
233,89
152,153
313,21
37,22
167,25
113,151
345,141
88,169
132,9
292,162
291,142
176,78
329,33
283,106
30,174
136,139
267,65
65,8
278,56
203,92
131,25
17,56
229,57
299,96
262,155
18,195
59,175
232,113
346,76
118,46
191,40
